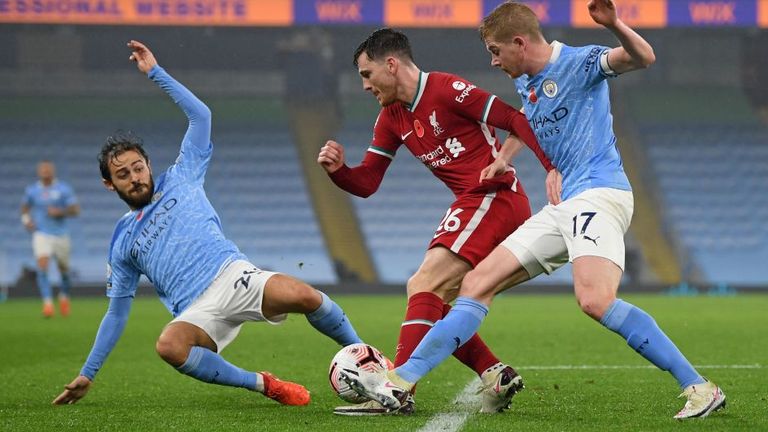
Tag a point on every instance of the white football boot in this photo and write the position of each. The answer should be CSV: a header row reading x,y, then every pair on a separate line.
x,y
499,385
373,408
378,386
702,400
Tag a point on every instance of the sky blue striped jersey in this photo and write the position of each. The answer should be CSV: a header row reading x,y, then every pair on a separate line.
x,y
568,107
39,197
176,240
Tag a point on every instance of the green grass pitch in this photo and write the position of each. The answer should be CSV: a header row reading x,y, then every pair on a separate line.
x,y
135,390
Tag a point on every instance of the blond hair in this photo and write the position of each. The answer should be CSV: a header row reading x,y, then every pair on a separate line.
x,y
508,20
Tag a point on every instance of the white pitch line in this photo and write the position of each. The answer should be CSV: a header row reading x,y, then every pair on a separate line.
x,y
464,404
582,367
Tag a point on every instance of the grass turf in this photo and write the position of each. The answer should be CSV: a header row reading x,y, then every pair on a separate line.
x,y
137,391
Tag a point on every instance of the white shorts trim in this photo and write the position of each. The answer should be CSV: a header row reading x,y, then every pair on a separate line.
x,y
592,223
47,245
234,297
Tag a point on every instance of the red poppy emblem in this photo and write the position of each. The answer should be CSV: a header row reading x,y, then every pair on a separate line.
x,y
532,96
418,128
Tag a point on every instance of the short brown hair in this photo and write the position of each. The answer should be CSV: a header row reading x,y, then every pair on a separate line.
x,y
384,42
508,20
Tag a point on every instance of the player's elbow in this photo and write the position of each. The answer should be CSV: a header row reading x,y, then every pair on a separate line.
x,y
647,59
205,113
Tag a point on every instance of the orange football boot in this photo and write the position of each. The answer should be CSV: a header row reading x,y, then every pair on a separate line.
x,y
285,392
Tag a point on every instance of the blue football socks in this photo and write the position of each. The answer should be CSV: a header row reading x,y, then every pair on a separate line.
x,y
644,336
44,285
451,332
66,284
210,367
330,320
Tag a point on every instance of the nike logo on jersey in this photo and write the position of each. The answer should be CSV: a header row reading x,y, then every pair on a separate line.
x,y
439,234
403,137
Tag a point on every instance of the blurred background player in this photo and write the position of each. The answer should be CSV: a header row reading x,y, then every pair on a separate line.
x,y
588,226
173,235
46,206
447,123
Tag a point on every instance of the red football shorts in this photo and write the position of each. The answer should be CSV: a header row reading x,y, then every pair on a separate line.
x,y
476,223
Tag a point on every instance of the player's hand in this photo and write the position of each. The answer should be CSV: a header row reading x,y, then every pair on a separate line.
x,y
143,57
73,391
603,12
331,156
56,212
497,168
554,185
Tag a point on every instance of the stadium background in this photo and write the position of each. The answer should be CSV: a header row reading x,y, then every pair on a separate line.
x,y
279,79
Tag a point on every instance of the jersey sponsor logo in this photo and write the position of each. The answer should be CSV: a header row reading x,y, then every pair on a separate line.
x,y
550,88
159,221
460,98
459,86
454,146
418,128
403,137
439,156
436,129
546,125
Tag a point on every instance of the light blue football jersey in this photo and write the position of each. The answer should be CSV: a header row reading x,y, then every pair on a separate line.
x,y
177,240
568,107
39,197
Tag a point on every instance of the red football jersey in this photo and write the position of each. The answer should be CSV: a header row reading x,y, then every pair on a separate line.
x,y
445,127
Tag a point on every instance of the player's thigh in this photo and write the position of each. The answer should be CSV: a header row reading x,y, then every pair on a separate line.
x,y
476,223
440,273
286,294
594,223
42,248
538,244
234,297
498,271
62,248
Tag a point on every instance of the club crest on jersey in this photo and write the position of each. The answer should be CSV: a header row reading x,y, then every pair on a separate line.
x,y
418,128
532,98
436,129
550,88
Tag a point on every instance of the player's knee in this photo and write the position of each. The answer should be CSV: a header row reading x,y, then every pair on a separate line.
x,y
475,285
171,350
308,298
594,304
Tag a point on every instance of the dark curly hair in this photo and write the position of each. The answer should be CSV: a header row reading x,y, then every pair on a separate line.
x,y
116,144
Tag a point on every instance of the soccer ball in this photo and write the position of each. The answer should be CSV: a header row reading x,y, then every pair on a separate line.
x,y
353,359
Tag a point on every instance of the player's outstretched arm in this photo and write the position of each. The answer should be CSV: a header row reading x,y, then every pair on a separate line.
x,y
73,391
110,330
634,52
